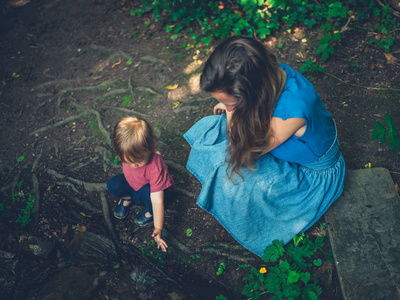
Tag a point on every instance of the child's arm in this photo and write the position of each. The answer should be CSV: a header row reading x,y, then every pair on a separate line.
x,y
157,200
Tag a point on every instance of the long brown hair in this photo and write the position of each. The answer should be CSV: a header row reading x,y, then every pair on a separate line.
x,y
134,140
243,68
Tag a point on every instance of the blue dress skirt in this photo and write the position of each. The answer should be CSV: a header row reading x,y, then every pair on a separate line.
x,y
275,202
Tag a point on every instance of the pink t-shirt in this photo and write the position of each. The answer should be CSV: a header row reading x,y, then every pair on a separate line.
x,y
155,173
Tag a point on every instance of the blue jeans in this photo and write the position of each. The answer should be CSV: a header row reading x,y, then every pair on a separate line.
x,y
119,187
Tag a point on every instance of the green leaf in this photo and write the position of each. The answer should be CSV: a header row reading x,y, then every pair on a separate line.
x,y
336,10
293,276
206,40
20,159
263,32
284,266
169,28
305,277
274,252
317,262
389,120
326,53
298,239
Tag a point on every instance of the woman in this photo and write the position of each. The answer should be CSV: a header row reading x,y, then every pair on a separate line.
x,y
270,161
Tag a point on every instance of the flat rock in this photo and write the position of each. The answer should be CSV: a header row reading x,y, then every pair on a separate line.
x,y
364,229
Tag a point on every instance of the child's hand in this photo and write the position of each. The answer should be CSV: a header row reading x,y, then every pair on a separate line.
x,y
160,242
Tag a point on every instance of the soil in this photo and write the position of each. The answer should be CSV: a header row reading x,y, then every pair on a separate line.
x,y
72,69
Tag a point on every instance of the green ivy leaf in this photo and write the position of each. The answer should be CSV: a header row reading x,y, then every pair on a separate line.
x,y
293,276
317,262
305,277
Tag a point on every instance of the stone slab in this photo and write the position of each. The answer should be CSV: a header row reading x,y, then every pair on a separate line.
x,y
364,229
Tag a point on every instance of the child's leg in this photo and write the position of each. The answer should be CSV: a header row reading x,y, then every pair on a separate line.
x,y
142,197
120,188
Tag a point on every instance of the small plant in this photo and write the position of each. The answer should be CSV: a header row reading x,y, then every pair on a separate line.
x,y
392,134
221,268
189,232
151,250
19,196
288,278
116,160
311,69
25,217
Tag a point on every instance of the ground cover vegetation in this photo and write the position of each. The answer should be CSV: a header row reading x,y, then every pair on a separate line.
x,y
207,20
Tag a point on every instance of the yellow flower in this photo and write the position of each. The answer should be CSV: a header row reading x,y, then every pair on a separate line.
x,y
263,270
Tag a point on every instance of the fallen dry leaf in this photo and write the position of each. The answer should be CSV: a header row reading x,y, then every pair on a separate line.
x,y
172,87
64,229
391,59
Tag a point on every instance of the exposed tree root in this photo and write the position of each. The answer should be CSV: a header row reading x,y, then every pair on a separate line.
x,y
86,163
172,240
364,87
227,255
55,82
176,166
130,112
88,186
60,123
219,249
69,119
36,193
184,192
106,214
68,184
112,93
84,88
82,204
36,162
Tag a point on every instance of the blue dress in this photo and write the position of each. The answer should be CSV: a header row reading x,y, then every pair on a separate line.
x,y
292,186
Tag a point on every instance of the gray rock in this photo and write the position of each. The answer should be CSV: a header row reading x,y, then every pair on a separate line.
x,y
364,231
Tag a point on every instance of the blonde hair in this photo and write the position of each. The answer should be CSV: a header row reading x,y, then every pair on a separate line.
x,y
134,140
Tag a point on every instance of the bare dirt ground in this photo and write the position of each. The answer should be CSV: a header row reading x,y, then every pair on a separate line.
x,y
69,71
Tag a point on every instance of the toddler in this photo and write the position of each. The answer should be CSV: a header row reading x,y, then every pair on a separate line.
x,y
145,179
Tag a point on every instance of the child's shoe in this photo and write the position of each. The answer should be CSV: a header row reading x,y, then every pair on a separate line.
x,y
120,210
141,218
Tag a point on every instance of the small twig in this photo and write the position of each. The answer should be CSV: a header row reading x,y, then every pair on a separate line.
x,y
393,172
345,25
361,86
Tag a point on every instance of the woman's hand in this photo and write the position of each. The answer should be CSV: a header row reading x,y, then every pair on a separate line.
x,y
160,242
219,109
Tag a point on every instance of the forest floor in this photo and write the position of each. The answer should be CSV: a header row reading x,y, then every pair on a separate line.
x,y
70,70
